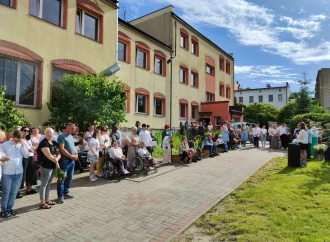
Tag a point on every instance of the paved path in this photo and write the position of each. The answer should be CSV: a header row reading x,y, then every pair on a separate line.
x,y
153,208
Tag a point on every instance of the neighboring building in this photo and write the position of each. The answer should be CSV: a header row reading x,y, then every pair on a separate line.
x,y
277,96
203,73
237,86
145,72
39,44
322,87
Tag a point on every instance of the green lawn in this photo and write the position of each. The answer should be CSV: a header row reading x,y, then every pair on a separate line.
x,y
278,203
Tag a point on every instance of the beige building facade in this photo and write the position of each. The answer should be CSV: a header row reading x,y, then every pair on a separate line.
x,y
322,87
202,71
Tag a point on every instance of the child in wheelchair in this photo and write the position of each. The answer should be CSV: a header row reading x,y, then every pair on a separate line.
x,y
116,153
144,154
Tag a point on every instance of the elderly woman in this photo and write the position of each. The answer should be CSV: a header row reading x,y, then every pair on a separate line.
x,y
133,145
144,153
167,149
49,155
275,133
116,153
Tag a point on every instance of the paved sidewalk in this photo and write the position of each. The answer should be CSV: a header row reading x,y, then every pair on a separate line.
x,y
155,208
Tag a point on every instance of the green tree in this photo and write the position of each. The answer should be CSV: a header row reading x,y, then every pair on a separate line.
x,y
85,99
260,113
10,117
286,113
303,100
294,95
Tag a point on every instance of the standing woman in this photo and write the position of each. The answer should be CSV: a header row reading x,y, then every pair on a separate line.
x,y
225,134
105,143
270,132
210,127
115,135
89,134
244,135
275,137
231,137
29,164
93,153
35,137
302,140
167,146
166,132
49,155
133,146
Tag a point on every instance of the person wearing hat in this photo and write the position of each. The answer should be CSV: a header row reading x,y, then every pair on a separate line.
x,y
166,145
166,131
222,144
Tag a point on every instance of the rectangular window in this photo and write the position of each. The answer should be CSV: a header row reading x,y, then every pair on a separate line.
x,y
270,98
122,51
209,97
183,41
209,69
48,10
240,99
280,97
158,106
141,104
7,2
194,48
183,75
194,110
261,99
141,58
279,90
20,79
183,110
193,79
222,64
87,25
222,90
158,65
227,67
251,99
227,92
217,121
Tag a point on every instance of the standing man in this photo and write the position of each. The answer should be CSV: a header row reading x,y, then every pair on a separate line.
x,y
145,137
67,162
284,136
256,134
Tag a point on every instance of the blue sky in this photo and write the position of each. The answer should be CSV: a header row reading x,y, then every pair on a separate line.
x,y
273,42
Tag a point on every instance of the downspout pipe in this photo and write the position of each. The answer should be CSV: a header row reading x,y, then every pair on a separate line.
x,y
115,67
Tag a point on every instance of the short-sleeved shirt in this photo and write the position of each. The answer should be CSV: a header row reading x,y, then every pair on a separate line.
x,y
95,146
42,159
68,142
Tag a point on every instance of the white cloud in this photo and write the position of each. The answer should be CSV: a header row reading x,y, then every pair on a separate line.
x,y
283,7
254,25
302,10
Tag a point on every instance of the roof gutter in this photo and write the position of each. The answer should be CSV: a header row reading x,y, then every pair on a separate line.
x,y
115,67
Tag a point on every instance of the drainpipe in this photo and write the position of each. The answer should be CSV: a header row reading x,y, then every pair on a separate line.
x,y
115,67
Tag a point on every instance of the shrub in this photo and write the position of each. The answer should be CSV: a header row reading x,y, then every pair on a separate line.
x,y
323,118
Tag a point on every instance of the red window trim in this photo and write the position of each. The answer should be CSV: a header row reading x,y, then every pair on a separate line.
x,y
128,99
126,40
184,102
183,66
160,55
185,34
145,48
195,72
228,70
196,105
146,93
213,74
197,47
222,67
94,9
161,96
222,85
229,94
73,65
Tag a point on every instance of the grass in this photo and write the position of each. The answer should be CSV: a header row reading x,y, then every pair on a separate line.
x,y
278,203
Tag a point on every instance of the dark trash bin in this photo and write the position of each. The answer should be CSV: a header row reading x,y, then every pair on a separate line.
x,y
294,155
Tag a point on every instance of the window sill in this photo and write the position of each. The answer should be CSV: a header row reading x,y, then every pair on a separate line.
x,y
194,54
159,116
124,61
183,83
26,106
195,87
209,74
159,74
88,38
43,20
141,68
223,70
1,4
141,113
181,118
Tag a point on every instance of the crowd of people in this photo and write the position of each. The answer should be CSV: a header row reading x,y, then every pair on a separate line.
x,y
29,152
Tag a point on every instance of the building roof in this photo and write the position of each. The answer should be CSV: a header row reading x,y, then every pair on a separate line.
x,y
264,88
144,34
190,27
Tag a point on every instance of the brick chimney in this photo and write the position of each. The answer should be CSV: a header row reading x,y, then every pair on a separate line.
x,y
268,86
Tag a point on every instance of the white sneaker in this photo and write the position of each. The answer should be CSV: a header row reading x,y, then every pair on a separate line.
x,y
126,172
151,168
92,178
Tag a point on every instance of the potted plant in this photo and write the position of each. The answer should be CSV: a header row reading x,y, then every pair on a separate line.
x,y
320,150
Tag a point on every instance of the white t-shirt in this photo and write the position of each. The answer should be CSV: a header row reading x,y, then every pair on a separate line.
x,y
166,142
145,137
143,152
105,140
220,141
302,137
256,132
95,146
28,145
210,128
283,130
88,136
264,132
118,152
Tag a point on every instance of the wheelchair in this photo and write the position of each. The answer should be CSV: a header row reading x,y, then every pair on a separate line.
x,y
111,168
82,163
140,165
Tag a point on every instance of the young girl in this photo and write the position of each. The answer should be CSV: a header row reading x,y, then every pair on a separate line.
x,y
263,133
244,135
93,153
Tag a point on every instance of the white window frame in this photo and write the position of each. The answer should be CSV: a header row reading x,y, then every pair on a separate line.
x,y
250,99
145,60
184,41
155,106
239,99
278,97
262,98
161,65
40,4
209,97
215,121
272,98
137,104
184,76
82,24
125,54
211,70
18,84
193,79
11,2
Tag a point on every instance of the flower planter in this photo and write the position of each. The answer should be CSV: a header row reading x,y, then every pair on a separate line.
x,y
319,156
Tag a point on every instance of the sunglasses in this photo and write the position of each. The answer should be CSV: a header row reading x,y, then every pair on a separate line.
x,y
26,130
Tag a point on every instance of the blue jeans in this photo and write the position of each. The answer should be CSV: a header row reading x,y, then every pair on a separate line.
x,y
10,187
68,167
263,140
212,148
